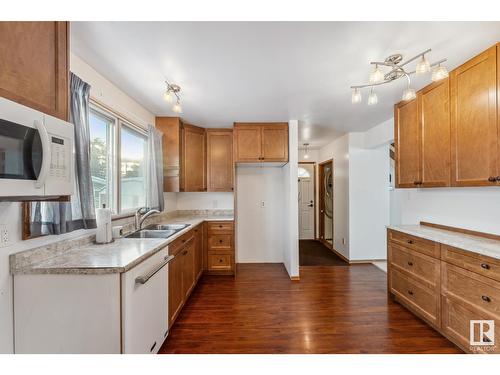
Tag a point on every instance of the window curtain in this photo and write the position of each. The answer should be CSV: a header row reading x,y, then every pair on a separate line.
x,y
63,217
154,180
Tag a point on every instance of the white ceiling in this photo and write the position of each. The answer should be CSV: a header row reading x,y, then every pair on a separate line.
x,y
275,71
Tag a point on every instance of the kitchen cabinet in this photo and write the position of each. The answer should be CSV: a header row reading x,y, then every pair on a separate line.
x,y
171,127
220,166
407,144
184,155
193,164
175,288
434,130
220,247
445,286
260,142
34,65
188,268
474,127
198,260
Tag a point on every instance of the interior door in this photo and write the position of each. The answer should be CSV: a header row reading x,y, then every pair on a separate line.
x,y
306,201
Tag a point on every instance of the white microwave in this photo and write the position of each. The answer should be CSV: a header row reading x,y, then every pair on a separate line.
x,y
36,154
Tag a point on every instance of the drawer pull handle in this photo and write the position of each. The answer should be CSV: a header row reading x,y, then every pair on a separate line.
x,y
410,241
410,293
220,226
410,263
220,260
492,179
486,298
485,266
220,241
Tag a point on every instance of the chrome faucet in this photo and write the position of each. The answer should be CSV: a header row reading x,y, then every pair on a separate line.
x,y
142,214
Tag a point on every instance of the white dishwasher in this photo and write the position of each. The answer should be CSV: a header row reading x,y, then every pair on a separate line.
x,y
145,305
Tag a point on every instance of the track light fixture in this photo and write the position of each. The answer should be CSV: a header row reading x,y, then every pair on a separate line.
x,y
171,94
396,68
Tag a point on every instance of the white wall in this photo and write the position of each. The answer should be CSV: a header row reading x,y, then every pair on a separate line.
x,y
338,150
205,201
368,199
10,213
260,229
291,208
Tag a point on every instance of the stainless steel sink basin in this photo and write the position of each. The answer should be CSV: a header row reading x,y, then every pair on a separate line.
x,y
176,227
147,233
158,231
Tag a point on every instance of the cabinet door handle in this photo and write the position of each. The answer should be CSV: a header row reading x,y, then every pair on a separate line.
x,y
410,263
184,252
485,266
410,241
410,293
486,298
498,178
220,241
492,179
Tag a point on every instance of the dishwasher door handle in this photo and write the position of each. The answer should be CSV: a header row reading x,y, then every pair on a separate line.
x,y
144,278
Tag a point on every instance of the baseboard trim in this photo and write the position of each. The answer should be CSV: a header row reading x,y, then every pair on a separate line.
x,y
295,278
340,255
362,261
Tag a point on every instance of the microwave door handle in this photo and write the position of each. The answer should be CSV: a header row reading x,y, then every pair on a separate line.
x,y
46,154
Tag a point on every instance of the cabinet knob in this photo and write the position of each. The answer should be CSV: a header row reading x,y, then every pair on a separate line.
x,y
220,260
410,263
485,266
410,241
492,179
220,241
410,293
184,252
486,298
498,178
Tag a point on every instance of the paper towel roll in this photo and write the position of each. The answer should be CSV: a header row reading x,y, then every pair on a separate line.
x,y
103,221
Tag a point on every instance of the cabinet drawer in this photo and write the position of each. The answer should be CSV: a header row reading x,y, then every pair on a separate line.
x,y
456,325
471,288
178,244
220,262
423,301
480,264
424,268
220,227
220,242
421,245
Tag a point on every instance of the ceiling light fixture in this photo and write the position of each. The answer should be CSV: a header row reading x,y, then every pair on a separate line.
x,y
396,68
439,73
306,153
171,93
372,98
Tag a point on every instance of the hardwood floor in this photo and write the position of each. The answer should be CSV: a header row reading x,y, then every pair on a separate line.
x,y
330,310
314,253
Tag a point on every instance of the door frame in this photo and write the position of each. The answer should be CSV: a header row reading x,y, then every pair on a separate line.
x,y
321,205
313,163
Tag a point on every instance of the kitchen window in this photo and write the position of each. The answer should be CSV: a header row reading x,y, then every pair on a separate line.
x,y
118,161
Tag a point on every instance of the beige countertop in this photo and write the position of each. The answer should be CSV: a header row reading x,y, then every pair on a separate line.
x,y
474,244
89,258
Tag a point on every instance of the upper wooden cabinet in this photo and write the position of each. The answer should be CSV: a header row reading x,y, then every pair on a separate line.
x,y
260,142
474,135
184,155
193,172
449,135
220,166
171,127
434,130
407,140
34,65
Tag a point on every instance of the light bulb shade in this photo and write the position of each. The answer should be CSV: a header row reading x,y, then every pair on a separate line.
x,y
409,94
439,73
177,108
423,66
376,76
168,96
356,96
372,98
306,155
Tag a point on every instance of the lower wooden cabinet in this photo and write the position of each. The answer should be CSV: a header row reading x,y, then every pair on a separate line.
x,y
452,289
198,259
220,247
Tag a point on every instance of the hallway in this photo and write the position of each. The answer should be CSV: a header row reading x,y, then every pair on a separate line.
x,y
314,253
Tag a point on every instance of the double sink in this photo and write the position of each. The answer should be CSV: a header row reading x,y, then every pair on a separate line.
x,y
158,231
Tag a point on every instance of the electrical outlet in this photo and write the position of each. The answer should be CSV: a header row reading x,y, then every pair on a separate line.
x,y
4,235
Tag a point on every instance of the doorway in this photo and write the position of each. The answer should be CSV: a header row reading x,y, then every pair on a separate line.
x,y
307,201
326,203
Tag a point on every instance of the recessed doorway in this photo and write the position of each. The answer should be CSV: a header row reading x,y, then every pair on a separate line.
x,y
307,200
